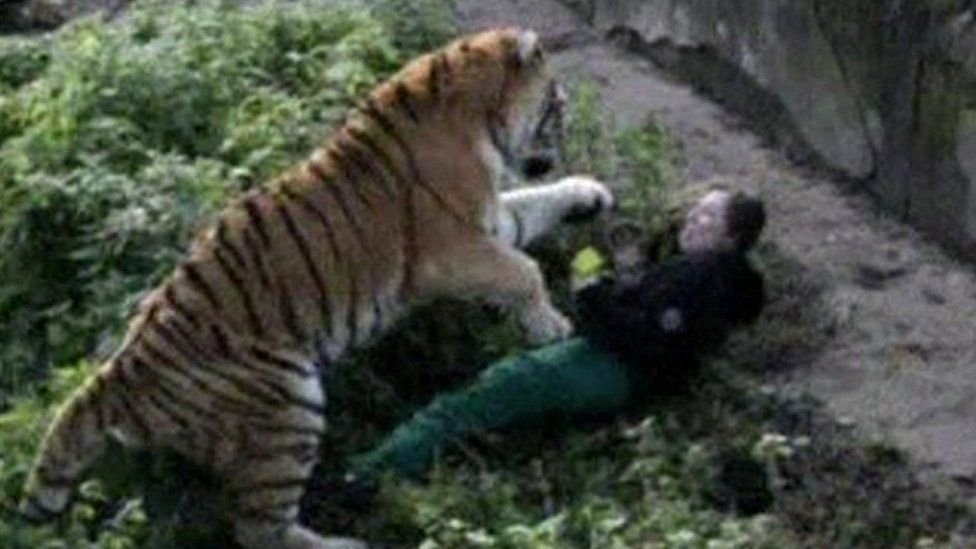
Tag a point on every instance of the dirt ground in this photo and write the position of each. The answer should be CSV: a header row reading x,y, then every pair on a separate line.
x,y
900,356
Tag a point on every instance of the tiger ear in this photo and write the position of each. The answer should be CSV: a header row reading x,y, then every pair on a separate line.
x,y
528,47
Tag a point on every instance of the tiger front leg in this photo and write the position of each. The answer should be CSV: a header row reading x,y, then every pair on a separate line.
x,y
482,268
531,212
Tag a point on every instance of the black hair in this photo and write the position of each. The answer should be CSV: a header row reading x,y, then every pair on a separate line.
x,y
745,219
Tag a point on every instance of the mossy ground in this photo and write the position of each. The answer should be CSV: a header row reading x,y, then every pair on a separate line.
x,y
117,142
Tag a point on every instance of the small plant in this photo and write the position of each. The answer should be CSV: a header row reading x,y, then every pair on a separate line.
x,y
638,162
417,25
21,61
588,144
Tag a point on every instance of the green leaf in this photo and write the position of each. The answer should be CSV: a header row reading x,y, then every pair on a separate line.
x,y
587,263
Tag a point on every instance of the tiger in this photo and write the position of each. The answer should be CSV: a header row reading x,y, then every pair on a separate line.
x,y
401,205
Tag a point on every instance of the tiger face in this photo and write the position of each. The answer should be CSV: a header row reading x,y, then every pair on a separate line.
x,y
538,134
531,144
528,131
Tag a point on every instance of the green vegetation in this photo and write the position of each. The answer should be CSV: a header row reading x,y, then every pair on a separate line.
x,y
118,142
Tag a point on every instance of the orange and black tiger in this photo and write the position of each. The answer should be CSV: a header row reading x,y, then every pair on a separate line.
x,y
402,205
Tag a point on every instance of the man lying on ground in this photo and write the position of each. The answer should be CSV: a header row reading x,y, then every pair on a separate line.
x,y
644,328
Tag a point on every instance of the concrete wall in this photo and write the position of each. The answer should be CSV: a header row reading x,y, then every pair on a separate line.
x,y
883,92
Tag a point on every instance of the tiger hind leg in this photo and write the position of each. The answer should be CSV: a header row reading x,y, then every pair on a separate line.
x,y
75,440
264,494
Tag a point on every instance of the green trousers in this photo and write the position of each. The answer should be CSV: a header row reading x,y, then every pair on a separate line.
x,y
569,379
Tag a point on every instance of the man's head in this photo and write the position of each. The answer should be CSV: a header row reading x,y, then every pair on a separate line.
x,y
722,220
719,221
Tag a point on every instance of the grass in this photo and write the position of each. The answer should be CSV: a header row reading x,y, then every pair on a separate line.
x,y
118,142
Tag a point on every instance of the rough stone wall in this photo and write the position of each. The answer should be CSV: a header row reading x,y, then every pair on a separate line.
x,y
28,16
883,91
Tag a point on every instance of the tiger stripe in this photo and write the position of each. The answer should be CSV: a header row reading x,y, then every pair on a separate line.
x,y
405,102
304,250
361,157
289,316
267,516
340,158
200,284
176,397
224,243
356,251
374,150
257,260
306,204
418,179
302,450
198,380
168,413
245,385
339,197
132,414
281,363
130,382
237,281
262,382
435,74
356,310
255,217
270,484
372,111
351,311
281,428
180,308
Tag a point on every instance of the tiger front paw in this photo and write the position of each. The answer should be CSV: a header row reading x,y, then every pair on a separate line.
x,y
544,323
587,198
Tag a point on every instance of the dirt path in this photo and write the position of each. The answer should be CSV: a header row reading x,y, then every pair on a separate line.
x,y
900,361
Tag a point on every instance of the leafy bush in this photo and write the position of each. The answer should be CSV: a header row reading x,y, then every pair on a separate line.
x,y
589,144
21,61
638,162
416,25
118,141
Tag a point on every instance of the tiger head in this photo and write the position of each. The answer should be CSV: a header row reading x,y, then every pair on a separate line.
x,y
529,123
501,76
496,81
538,145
